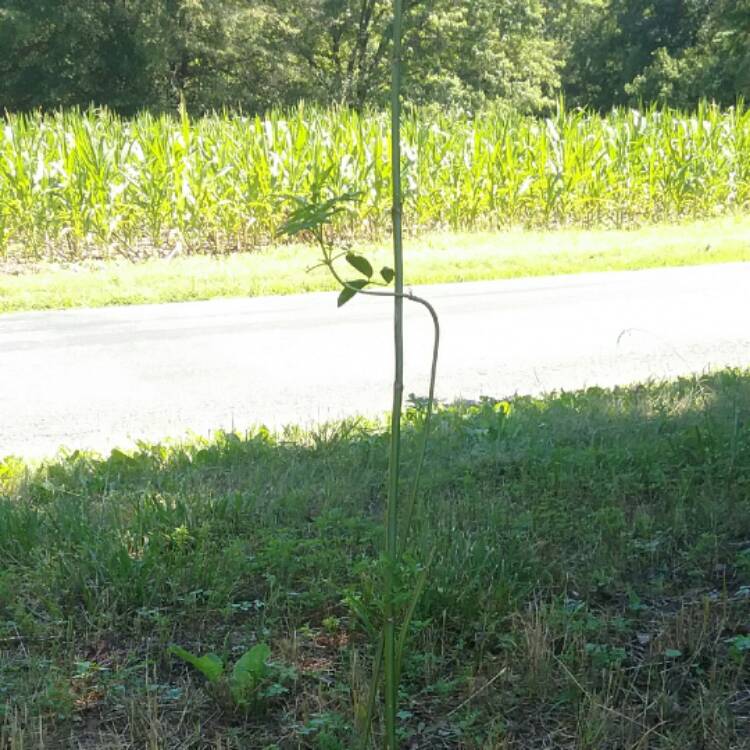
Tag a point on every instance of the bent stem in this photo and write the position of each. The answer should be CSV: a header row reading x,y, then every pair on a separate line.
x,y
411,297
391,563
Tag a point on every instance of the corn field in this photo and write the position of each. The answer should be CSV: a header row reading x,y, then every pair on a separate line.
x,y
76,185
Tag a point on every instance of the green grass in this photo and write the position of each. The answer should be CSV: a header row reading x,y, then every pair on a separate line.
x,y
433,258
591,586
80,185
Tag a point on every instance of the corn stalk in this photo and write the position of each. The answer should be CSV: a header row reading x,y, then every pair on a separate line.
x,y
76,184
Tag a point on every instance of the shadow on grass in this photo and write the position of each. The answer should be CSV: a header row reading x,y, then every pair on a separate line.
x,y
593,548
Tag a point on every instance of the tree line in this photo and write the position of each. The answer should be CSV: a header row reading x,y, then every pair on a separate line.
x,y
131,55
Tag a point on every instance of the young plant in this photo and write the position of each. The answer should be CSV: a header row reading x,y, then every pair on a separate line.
x,y
312,216
250,681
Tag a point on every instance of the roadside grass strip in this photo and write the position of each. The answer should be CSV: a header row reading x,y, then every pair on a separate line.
x,y
432,258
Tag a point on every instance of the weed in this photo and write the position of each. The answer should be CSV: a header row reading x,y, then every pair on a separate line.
x,y
251,681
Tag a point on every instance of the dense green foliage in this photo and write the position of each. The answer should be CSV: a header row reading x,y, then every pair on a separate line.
x,y
589,590
74,185
136,54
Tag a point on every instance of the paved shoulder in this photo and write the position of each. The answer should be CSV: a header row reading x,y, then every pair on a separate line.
x,y
99,378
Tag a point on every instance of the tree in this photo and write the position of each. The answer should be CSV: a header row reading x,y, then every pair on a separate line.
x,y
622,39
724,51
256,54
473,51
457,52
192,54
69,53
716,65
339,47
124,54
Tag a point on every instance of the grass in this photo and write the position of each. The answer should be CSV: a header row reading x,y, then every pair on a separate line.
x,y
90,185
591,586
434,258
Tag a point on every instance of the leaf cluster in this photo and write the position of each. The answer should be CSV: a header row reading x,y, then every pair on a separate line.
x,y
251,681
311,217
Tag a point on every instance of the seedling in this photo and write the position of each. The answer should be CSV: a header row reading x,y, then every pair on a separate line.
x,y
250,681
312,216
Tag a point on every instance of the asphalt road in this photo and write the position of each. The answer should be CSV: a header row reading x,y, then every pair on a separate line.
x,y
104,378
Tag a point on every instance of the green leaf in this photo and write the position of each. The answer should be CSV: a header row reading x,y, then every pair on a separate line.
x,y
387,274
210,665
249,672
740,643
312,215
350,290
360,263
355,604
252,663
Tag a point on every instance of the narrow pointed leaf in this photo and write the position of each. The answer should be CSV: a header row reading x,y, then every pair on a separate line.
x,y
349,291
406,622
210,665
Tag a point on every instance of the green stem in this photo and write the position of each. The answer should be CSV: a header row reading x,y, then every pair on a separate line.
x,y
391,531
412,501
411,297
372,695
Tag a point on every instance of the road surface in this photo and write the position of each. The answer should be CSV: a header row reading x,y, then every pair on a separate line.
x,y
97,379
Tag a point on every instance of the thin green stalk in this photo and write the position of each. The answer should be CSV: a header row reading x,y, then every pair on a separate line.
x,y
409,614
411,297
391,536
372,695
412,501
